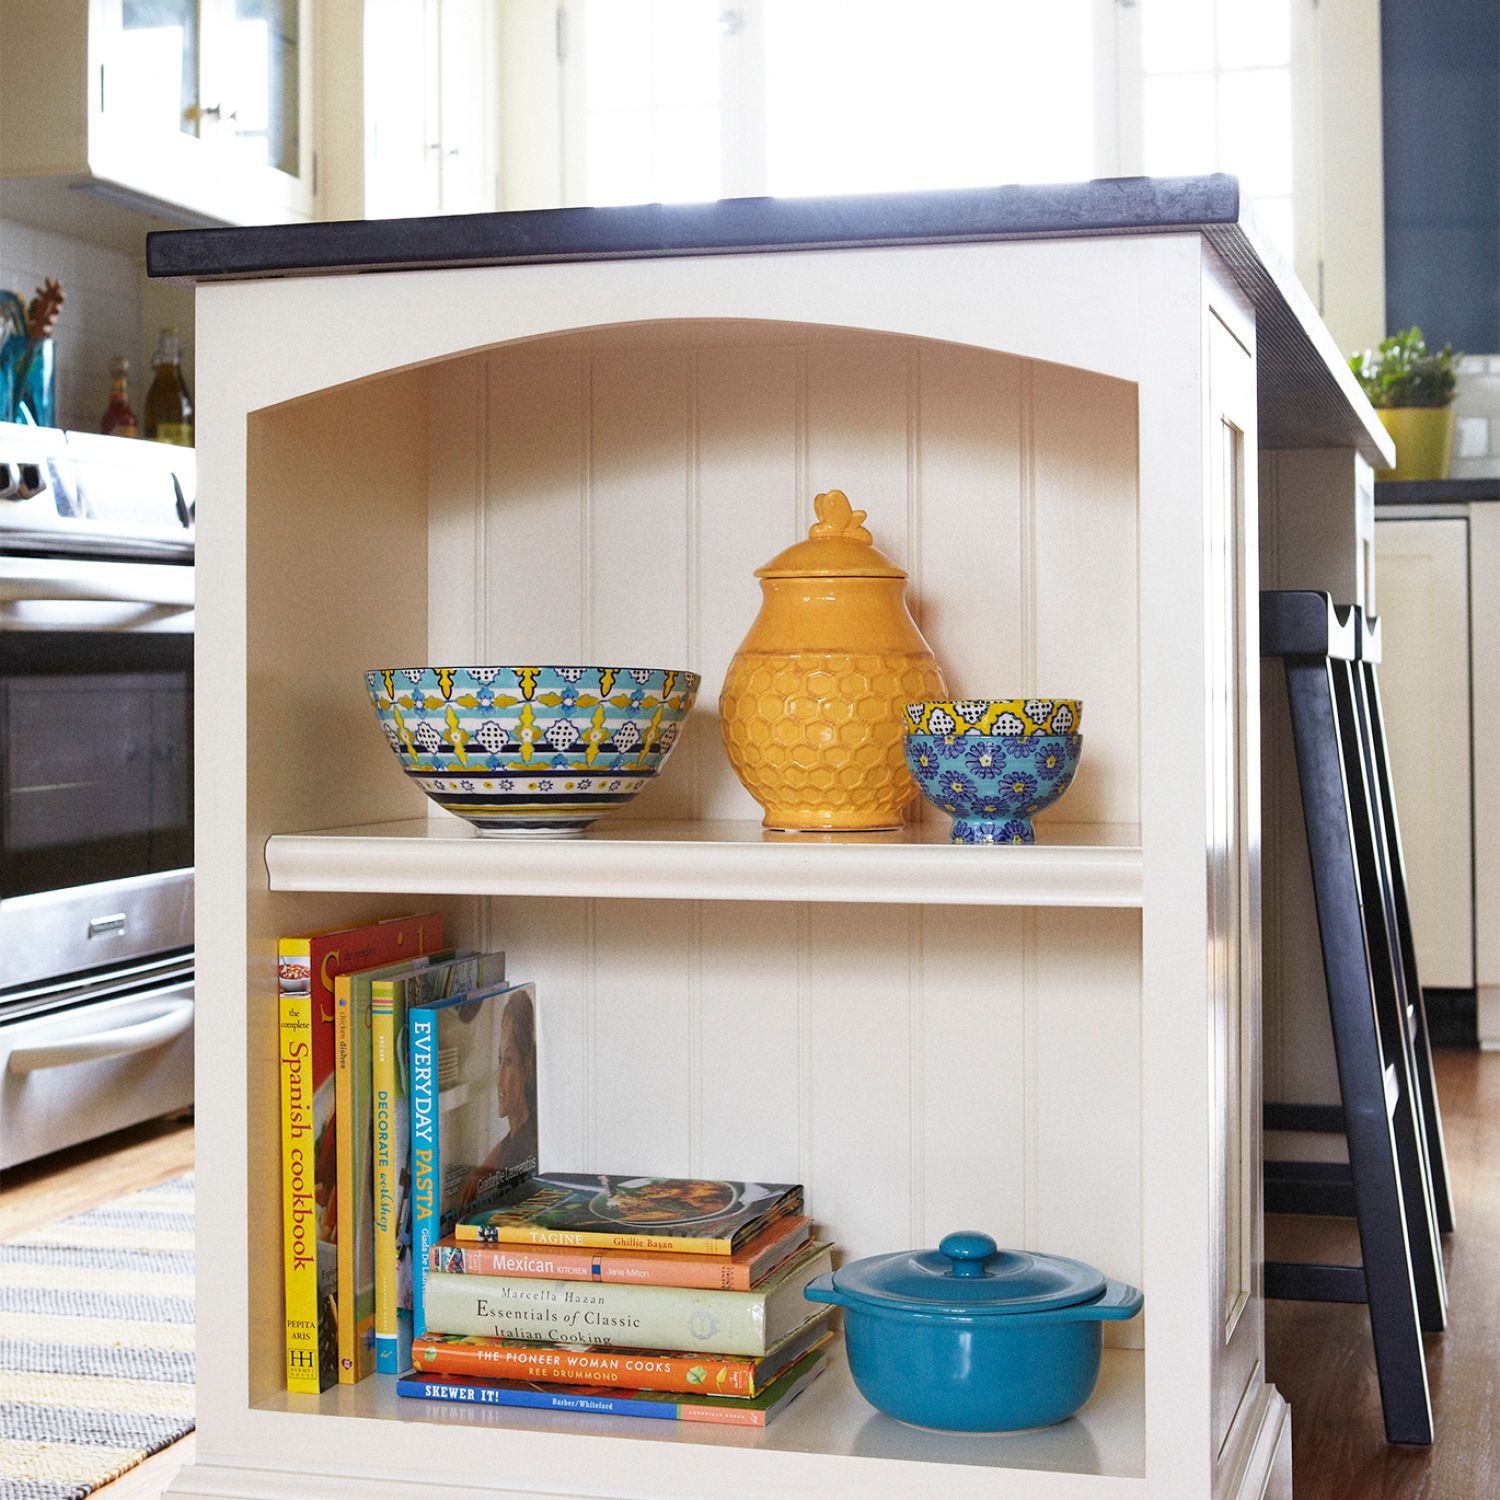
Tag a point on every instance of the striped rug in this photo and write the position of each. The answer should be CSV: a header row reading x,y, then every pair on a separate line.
x,y
96,1343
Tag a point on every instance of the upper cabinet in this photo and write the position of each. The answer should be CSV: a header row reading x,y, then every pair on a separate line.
x,y
119,114
430,107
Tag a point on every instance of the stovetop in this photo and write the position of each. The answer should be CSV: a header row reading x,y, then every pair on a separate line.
x,y
78,494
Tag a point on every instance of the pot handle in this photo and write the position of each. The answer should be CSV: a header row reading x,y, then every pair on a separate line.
x,y
1118,1301
821,1289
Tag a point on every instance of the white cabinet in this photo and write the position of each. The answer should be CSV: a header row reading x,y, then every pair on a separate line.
x,y
1425,686
431,134
595,431
116,113
1439,562
590,459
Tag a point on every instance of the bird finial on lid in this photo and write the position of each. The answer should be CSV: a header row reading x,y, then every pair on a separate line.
x,y
837,518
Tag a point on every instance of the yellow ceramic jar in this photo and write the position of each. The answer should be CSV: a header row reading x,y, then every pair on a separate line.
x,y
813,705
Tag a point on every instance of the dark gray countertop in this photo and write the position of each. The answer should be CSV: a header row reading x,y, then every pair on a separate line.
x,y
1435,491
1123,205
1307,396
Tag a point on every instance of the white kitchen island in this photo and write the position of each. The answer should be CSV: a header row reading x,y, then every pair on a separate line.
x,y
571,436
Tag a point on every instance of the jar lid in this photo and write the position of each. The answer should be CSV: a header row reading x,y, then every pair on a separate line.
x,y
968,1273
838,546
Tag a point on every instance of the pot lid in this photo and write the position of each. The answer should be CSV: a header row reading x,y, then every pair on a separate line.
x,y
838,546
968,1273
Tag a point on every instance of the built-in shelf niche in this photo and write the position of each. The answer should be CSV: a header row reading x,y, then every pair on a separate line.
x,y
920,1059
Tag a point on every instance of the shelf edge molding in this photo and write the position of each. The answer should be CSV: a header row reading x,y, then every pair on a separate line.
x,y
1068,875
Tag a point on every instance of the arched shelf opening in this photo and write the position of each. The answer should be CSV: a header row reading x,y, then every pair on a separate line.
x,y
605,494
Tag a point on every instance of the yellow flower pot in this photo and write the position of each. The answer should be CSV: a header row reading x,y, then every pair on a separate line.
x,y
813,705
1423,436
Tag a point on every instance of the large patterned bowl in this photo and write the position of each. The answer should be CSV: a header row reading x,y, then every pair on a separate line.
x,y
991,785
533,752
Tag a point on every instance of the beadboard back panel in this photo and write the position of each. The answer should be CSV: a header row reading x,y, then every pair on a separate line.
x,y
919,1069
607,497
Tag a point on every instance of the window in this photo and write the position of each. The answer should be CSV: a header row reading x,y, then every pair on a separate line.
x,y
694,99
680,100
894,95
1216,95
654,123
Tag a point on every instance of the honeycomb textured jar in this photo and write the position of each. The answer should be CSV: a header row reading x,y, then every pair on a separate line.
x,y
812,707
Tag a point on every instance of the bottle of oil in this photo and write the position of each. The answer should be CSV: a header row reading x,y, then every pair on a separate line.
x,y
119,420
169,408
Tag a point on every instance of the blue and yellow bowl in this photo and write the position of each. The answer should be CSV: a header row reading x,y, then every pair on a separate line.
x,y
990,784
1007,717
532,752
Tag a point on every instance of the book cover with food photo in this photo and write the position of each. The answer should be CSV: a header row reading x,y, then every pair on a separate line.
x,y
681,1215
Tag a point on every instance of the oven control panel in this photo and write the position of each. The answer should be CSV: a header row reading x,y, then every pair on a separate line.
x,y
79,492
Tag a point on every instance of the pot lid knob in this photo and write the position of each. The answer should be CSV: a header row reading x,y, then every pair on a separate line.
x,y
967,1251
837,546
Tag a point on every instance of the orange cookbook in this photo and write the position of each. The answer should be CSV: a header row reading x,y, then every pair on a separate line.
x,y
739,1272
636,1369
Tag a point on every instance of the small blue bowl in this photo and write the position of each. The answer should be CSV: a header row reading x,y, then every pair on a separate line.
x,y
993,785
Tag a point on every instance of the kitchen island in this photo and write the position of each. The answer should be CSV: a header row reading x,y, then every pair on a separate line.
x,y
571,436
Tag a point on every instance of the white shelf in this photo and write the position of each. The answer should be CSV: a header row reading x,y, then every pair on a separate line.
x,y
1102,1449
1070,865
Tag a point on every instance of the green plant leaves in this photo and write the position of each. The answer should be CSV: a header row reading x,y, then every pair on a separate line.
x,y
1405,372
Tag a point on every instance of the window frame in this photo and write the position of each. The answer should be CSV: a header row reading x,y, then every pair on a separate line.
x,y
1119,114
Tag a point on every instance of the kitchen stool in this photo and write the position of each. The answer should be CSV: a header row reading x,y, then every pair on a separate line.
x,y
1388,1183
1367,690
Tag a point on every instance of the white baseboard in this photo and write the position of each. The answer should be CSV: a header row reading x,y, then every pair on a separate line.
x,y
1267,1471
1266,1474
224,1482
1487,1016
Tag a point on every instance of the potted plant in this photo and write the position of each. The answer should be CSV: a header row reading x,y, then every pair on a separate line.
x,y
1411,388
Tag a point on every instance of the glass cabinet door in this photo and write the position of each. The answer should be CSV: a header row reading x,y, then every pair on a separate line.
x,y
264,55
203,103
152,72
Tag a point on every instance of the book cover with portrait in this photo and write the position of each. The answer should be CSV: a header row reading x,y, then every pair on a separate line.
x,y
473,1090
391,998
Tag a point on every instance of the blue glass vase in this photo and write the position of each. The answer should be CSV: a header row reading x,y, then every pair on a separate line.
x,y
28,382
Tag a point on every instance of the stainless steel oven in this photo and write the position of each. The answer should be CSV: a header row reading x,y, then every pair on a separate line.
x,y
96,786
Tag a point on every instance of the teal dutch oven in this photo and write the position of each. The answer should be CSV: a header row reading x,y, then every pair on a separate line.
x,y
972,1338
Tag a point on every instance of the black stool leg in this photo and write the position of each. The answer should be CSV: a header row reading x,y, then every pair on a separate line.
x,y
1437,1151
1408,993
1388,986
1389,1283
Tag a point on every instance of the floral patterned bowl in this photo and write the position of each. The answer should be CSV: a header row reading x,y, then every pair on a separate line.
x,y
533,752
993,785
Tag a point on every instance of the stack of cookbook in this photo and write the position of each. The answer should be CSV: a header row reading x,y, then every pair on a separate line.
x,y
676,1298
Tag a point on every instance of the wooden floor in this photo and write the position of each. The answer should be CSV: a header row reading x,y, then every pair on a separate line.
x,y
71,1181
1319,1356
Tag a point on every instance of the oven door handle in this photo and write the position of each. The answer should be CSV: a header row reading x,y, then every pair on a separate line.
x,y
139,1036
112,582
